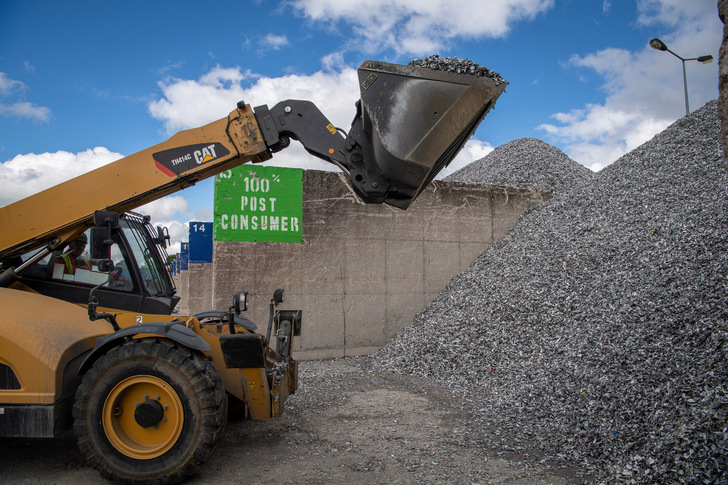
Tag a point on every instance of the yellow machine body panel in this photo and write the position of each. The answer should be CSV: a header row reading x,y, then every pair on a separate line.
x,y
39,336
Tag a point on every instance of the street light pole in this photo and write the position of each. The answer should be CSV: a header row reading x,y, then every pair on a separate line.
x,y
685,83
661,46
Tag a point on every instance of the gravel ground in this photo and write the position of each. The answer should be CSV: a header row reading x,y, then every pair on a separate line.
x,y
596,329
345,424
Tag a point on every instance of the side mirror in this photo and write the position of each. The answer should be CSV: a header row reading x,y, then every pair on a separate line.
x,y
240,302
278,296
162,236
100,245
101,242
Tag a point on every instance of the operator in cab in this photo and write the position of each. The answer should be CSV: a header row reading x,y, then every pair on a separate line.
x,y
73,259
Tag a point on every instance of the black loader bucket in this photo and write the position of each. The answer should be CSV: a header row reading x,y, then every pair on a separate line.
x,y
412,121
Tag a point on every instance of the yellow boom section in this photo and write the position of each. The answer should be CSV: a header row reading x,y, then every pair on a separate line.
x,y
186,158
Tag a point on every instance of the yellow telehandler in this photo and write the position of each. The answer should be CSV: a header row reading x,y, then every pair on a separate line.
x,y
88,337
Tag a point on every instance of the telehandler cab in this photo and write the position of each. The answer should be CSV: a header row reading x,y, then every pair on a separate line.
x,y
88,338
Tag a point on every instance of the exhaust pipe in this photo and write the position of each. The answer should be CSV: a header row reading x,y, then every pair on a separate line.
x,y
411,121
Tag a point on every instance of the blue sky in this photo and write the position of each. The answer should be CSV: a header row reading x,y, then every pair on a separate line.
x,y
84,83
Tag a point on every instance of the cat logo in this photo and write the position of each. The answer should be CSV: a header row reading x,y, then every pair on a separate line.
x,y
205,155
177,161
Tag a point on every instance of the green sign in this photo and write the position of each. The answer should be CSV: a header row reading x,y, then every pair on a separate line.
x,y
259,203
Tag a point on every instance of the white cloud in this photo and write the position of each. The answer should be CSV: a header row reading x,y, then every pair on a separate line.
x,y
165,208
274,42
644,88
675,13
19,108
23,109
420,26
202,215
25,175
10,86
333,61
188,103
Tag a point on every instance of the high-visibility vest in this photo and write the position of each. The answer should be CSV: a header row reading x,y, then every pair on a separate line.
x,y
69,264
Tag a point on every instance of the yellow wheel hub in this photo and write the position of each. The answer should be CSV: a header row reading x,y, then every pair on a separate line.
x,y
143,417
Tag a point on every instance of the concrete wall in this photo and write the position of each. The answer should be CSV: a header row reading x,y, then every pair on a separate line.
x,y
182,283
194,286
363,271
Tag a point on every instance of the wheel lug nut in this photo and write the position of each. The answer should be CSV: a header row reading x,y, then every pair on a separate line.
x,y
158,397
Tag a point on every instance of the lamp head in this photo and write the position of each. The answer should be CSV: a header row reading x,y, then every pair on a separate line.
x,y
658,44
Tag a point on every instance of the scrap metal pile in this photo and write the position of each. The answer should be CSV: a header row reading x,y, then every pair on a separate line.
x,y
456,65
527,162
597,329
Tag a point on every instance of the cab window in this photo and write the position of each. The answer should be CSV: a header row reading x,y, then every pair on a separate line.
x,y
71,263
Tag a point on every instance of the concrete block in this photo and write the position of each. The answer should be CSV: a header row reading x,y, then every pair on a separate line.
x,y
278,265
365,267
323,325
365,321
404,266
440,220
234,254
227,282
199,287
182,283
405,225
323,265
475,230
328,203
442,263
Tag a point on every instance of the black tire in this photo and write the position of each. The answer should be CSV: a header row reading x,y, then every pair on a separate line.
x,y
185,395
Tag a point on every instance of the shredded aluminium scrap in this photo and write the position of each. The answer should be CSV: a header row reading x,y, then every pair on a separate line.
x,y
456,65
526,162
597,329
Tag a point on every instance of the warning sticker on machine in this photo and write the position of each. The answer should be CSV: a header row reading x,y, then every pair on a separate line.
x,y
259,203
178,160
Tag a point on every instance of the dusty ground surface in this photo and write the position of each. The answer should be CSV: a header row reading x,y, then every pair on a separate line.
x,y
344,425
